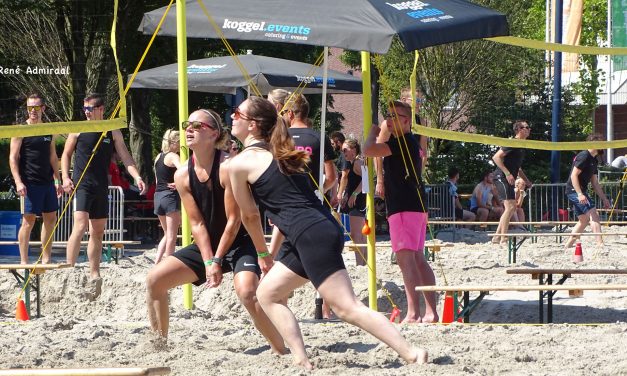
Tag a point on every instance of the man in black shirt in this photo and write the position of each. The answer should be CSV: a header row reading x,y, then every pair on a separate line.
x,y
337,140
508,160
92,197
34,166
405,201
584,171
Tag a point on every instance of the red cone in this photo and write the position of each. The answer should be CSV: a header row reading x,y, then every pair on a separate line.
x,y
20,312
448,310
578,257
395,314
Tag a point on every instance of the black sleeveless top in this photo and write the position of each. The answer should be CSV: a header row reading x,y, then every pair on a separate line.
x,y
353,182
209,197
96,177
163,173
35,165
288,200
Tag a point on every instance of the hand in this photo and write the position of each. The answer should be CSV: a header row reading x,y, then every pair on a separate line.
x,y
20,188
606,204
351,201
59,189
334,201
141,186
582,199
510,179
213,274
265,263
172,186
379,189
68,185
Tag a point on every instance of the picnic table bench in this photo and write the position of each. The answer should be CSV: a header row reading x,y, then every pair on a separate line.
x,y
515,240
463,307
545,278
111,250
35,285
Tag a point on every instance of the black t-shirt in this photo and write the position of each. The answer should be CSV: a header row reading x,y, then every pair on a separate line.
x,y
512,161
35,165
588,166
309,140
401,186
96,177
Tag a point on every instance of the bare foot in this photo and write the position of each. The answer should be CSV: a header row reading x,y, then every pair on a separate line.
x,y
421,356
411,320
276,351
430,319
495,240
305,363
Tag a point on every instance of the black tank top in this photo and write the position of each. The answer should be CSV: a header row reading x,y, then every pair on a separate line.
x,y
96,177
288,200
163,173
209,197
35,165
353,182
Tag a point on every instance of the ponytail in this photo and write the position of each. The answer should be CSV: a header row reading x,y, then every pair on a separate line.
x,y
282,147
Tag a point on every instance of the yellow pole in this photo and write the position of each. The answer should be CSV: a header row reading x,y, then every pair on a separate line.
x,y
367,106
181,54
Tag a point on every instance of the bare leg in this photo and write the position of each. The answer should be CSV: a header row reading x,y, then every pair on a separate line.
x,y
417,272
23,236
173,221
361,257
94,247
271,293
510,208
161,246
595,224
81,219
338,291
577,229
245,287
49,220
164,276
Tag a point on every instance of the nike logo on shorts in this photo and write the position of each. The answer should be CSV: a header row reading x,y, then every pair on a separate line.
x,y
245,264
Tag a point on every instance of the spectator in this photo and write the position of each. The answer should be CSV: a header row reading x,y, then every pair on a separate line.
x,y
484,201
520,192
459,211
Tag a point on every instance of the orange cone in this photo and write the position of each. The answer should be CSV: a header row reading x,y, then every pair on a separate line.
x,y
20,311
448,311
578,257
366,229
395,314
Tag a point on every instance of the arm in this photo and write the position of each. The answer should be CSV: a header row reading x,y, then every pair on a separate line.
x,y
424,146
66,158
330,175
597,188
14,164
128,160
378,168
251,218
343,183
199,229
521,174
54,163
275,241
372,146
499,161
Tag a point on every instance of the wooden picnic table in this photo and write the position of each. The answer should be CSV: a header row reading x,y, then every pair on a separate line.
x,y
545,278
36,270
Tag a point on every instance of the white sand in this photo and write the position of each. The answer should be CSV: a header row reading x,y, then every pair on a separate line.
x,y
217,336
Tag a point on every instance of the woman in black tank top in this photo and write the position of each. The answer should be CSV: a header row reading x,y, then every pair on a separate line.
x,y
353,202
167,201
220,244
267,173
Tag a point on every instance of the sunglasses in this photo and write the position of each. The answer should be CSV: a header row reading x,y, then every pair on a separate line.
x,y
36,108
90,108
525,127
196,125
238,114
393,115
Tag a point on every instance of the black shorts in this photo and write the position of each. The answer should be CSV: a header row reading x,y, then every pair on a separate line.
x,y
94,202
167,202
317,253
506,190
242,257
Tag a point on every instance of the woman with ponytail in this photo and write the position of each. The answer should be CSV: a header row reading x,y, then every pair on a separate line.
x,y
268,173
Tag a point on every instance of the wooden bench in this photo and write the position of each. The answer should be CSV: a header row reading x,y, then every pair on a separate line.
x,y
36,270
545,278
136,371
515,240
463,307
112,250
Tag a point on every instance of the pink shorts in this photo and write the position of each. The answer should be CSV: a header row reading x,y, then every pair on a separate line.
x,y
408,231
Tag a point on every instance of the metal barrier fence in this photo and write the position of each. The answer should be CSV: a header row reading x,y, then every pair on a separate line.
x,y
440,204
114,231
